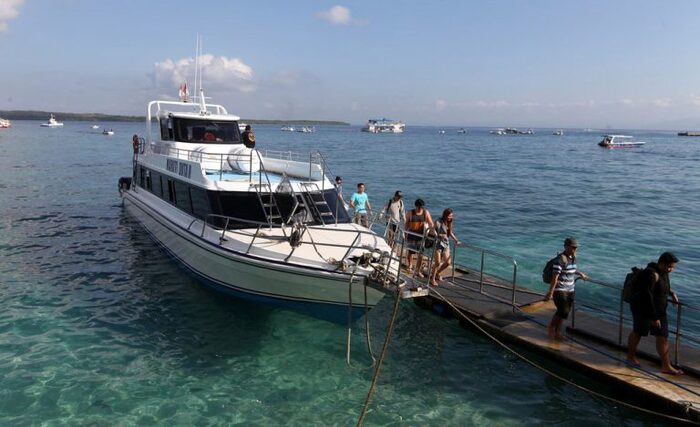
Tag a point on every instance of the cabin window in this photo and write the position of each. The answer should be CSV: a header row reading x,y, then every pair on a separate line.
x,y
171,191
166,129
182,196
148,181
206,131
200,202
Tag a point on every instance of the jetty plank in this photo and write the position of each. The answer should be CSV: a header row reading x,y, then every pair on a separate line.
x,y
592,347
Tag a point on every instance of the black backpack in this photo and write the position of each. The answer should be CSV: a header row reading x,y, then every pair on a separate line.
x,y
547,272
628,292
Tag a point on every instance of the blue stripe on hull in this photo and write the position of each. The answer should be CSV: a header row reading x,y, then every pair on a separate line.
x,y
336,313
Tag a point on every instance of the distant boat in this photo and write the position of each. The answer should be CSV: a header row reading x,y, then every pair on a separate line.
x,y
307,129
52,123
384,126
462,131
441,131
287,128
558,132
107,132
689,133
499,131
4,123
95,126
619,141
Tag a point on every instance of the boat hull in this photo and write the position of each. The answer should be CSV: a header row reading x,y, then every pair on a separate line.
x,y
320,293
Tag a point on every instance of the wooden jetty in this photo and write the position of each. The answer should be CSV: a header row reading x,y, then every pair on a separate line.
x,y
592,345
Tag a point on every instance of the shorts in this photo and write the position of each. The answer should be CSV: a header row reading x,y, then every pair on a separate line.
x,y
442,246
393,226
361,218
642,326
413,243
563,301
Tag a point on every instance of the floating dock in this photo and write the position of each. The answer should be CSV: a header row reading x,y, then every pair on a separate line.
x,y
592,346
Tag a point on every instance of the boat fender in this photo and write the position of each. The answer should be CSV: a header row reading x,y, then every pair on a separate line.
x,y
295,235
134,142
243,159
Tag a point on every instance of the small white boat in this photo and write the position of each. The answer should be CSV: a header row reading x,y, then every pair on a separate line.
x,y
107,132
95,126
307,129
462,130
499,131
384,126
441,131
558,132
287,128
4,123
619,141
52,123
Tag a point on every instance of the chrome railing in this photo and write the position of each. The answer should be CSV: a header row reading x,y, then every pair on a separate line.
x,y
622,319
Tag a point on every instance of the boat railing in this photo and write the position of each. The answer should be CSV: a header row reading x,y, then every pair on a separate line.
x,y
619,314
218,163
304,237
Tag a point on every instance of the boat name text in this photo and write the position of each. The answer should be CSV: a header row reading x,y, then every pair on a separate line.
x,y
182,169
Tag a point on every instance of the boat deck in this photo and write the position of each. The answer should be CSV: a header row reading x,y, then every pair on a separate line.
x,y
590,348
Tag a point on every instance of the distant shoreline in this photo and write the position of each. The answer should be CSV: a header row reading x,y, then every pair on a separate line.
x,y
98,117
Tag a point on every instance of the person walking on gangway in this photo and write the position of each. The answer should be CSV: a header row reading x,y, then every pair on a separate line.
x,y
650,292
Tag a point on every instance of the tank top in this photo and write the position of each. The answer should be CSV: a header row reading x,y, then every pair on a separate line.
x,y
415,222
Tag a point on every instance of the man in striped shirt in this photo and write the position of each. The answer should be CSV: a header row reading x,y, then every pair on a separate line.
x,y
562,287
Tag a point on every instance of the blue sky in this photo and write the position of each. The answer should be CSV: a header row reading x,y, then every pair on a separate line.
x,y
624,64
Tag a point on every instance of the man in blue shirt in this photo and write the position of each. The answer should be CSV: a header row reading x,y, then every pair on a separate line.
x,y
360,203
561,289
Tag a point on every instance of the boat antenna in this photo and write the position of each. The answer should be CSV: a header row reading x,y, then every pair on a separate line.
x,y
196,67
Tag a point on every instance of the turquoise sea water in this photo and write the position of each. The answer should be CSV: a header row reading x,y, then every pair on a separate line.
x,y
100,327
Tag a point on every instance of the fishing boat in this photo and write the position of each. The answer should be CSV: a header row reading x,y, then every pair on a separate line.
x,y
259,224
619,141
384,126
107,132
52,123
5,124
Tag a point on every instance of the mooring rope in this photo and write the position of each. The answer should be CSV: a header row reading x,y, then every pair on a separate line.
x,y
387,339
547,371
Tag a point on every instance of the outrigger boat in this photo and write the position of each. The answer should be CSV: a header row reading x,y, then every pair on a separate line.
x,y
619,141
259,224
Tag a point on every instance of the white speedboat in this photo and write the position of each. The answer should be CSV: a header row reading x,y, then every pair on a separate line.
x,y
263,225
307,129
619,141
462,131
559,132
5,124
52,123
499,131
107,132
95,126
441,131
287,128
384,126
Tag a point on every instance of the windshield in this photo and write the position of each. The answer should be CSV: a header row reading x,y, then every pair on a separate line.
x,y
207,131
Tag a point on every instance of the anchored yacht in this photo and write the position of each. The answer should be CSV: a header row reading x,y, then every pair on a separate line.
x,y
260,224
52,123
4,123
384,126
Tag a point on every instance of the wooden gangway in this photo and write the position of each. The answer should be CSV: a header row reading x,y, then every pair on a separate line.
x,y
592,345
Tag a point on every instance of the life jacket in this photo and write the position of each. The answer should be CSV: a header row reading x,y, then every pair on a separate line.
x,y
415,222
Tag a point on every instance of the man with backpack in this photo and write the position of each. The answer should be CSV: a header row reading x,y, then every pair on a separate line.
x,y
648,302
564,272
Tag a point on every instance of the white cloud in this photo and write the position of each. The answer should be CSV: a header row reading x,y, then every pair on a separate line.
x,y
219,73
440,104
9,9
662,102
695,99
338,15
